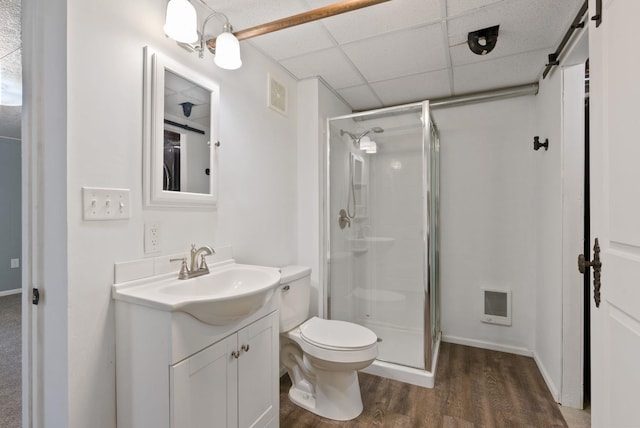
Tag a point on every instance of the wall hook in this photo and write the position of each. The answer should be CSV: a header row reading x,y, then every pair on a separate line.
x,y
537,144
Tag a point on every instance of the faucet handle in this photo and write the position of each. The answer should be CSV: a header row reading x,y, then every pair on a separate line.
x,y
184,269
203,263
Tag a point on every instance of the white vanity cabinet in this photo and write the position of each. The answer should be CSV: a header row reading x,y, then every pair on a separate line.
x,y
231,383
173,371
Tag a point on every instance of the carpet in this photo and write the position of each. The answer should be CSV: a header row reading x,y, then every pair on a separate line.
x,y
10,361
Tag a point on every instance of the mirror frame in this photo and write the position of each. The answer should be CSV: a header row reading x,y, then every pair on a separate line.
x,y
155,65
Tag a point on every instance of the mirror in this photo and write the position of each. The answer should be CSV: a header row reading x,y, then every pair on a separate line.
x,y
181,134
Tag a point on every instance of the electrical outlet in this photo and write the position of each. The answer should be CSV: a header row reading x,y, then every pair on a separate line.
x,y
152,241
15,263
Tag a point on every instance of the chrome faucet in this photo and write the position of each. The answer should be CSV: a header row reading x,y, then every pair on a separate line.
x,y
193,269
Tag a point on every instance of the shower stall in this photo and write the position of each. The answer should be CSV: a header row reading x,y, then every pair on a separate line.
x,y
382,235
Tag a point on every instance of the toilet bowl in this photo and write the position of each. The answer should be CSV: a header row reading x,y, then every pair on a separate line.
x,y
321,356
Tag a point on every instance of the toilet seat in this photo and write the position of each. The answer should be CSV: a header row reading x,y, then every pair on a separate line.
x,y
337,335
364,351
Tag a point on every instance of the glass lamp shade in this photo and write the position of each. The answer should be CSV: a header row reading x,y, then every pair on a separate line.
x,y
227,51
181,23
373,148
366,143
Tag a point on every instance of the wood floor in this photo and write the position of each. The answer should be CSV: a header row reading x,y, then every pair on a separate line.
x,y
474,388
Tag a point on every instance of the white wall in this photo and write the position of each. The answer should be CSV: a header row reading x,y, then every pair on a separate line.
x,y
257,195
559,222
548,210
316,104
44,203
487,220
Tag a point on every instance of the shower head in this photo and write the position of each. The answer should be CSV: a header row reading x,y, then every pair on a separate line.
x,y
368,144
356,138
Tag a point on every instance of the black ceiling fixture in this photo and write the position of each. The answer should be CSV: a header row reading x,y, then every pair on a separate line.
x,y
481,42
186,108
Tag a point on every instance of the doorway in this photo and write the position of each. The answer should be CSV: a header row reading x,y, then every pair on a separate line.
x,y
11,215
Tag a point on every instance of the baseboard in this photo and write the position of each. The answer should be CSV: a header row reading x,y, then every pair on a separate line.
x,y
547,379
10,292
487,345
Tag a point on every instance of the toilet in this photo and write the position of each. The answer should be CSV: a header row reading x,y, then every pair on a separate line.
x,y
321,356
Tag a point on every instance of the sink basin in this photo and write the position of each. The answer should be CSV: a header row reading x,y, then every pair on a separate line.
x,y
227,294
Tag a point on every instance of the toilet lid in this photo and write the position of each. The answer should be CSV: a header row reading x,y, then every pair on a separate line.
x,y
337,334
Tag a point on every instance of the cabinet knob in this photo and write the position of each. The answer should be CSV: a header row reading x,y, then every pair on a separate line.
x,y
245,348
235,354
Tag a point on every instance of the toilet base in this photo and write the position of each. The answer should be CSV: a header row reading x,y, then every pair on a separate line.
x,y
337,395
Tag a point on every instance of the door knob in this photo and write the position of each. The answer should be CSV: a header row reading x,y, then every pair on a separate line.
x,y
245,348
596,264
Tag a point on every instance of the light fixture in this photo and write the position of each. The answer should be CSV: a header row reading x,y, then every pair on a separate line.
x,y
365,143
181,26
181,22
227,50
373,148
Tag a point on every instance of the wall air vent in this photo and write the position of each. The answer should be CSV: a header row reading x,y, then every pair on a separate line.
x,y
277,96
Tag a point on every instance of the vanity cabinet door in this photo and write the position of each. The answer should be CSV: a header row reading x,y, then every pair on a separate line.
x,y
204,388
258,370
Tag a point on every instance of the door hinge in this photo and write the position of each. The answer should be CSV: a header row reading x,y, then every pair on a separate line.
x,y
36,296
596,264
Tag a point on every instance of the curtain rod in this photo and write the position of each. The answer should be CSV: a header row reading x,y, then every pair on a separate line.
x,y
478,97
456,101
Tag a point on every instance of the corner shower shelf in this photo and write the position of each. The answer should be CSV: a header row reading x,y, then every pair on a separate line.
x,y
370,240
362,245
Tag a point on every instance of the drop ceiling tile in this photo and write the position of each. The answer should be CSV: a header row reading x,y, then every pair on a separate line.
x,y
245,14
360,97
331,64
379,19
524,26
413,88
457,7
294,41
499,73
403,53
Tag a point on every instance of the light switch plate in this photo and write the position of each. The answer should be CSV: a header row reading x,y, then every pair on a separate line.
x,y
105,203
15,263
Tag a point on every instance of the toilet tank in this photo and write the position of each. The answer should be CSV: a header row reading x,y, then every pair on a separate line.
x,y
294,295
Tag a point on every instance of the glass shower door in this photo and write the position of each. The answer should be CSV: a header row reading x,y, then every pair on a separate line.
x,y
380,171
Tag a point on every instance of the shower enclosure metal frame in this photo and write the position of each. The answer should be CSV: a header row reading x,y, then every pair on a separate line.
x,y
431,235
